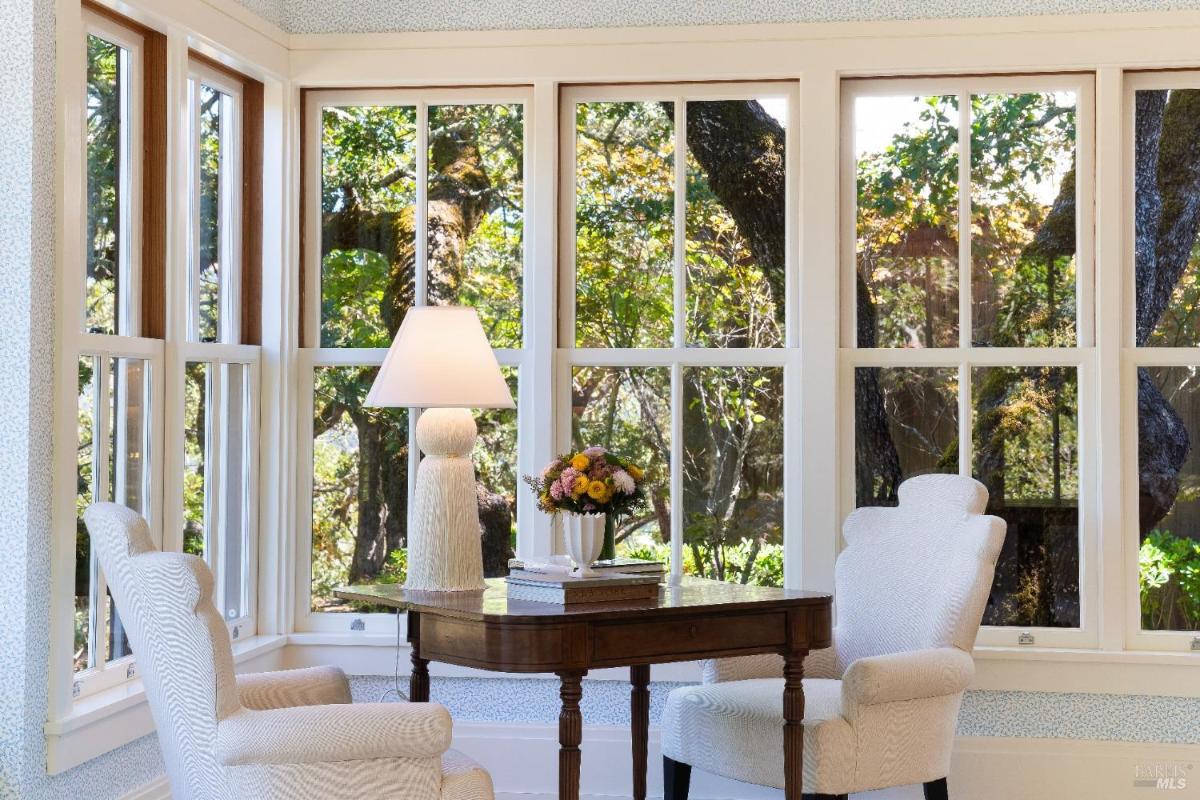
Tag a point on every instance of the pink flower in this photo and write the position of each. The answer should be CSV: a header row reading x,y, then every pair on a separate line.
x,y
556,490
594,452
551,468
566,481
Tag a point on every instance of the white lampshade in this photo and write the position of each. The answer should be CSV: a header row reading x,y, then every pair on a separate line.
x,y
440,358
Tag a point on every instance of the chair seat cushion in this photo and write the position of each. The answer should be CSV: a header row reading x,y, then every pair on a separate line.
x,y
735,729
463,779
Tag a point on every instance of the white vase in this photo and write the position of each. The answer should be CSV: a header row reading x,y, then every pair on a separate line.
x,y
585,538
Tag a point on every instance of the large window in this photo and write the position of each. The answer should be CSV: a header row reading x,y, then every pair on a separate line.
x,y
968,277
418,198
1163,371
676,251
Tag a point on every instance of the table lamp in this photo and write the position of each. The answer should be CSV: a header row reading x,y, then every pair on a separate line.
x,y
441,361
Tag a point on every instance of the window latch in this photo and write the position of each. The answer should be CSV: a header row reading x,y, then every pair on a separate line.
x,y
1025,638
1196,643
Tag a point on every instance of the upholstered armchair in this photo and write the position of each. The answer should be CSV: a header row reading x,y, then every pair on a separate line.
x,y
291,734
881,703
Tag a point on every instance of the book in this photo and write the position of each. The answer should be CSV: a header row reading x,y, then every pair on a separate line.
x,y
629,566
569,589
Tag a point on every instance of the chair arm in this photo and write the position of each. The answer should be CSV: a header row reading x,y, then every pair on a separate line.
x,y
319,734
935,672
315,686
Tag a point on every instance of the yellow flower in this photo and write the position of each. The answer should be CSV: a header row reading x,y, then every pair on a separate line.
x,y
580,462
635,472
598,491
581,486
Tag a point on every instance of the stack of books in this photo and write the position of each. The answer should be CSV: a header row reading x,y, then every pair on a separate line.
x,y
627,566
566,589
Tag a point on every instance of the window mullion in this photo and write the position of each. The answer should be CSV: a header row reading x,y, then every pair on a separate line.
x,y
676,472
193,296
965,323
679,274
213,474
100,493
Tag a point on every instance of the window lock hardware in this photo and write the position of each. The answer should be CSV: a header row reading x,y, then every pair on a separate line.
x,y
130,671
1196,643
1025,638
358,625
237,630
75,689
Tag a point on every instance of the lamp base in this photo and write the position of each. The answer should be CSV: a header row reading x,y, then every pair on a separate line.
x,y
444,549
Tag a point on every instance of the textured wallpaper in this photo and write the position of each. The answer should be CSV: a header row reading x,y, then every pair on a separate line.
x,y
373,16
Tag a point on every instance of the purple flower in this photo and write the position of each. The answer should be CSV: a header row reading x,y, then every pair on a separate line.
x,y
566,481
594,452
556,490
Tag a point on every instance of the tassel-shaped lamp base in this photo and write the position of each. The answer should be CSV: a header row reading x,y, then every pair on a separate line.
x,y
444,549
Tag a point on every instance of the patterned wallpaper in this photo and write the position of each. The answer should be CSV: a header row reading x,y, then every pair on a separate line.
x,y
373,16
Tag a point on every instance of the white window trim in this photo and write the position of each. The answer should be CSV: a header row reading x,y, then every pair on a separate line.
x,y
677,356
530,406
964,357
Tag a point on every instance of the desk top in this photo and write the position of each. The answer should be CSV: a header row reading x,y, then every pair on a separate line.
x,y
492,604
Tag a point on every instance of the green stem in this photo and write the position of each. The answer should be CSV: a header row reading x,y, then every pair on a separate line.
x,y
609,551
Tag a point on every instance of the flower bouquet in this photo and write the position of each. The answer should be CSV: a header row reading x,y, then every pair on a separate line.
x,y
592,481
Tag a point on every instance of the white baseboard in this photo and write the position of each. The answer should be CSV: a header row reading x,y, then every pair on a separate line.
x,y
522,760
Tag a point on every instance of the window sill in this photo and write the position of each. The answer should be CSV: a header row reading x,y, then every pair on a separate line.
x,y
108,719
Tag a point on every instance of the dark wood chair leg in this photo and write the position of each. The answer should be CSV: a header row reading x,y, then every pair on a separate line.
x,y
677,779
639,715
937,790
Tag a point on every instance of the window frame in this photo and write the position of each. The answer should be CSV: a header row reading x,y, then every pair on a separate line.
x,y
1083,356
312,356
676,355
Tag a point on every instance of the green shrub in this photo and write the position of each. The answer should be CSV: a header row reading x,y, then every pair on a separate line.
x,y
1169,582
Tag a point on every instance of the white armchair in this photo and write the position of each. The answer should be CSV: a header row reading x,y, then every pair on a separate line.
x,y
291,734
881,703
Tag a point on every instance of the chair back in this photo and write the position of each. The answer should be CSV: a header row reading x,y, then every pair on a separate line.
x,y
917,575
179,640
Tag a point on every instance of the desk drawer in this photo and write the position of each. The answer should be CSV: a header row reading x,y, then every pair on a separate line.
x,y
683,639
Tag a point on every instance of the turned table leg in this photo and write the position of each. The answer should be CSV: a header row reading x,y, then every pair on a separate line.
x,y
418,679
570,734
793,725
639,716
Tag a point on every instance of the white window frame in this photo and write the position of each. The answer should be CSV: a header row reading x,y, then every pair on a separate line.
x,y
1133,357
529,408
676,355
1083,356
229,214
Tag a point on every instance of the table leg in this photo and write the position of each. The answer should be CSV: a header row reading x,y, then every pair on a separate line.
x,y
793,725
570,734
639,717
418,679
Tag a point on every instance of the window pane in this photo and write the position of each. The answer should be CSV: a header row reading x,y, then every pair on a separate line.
x,y
477,214
736,252
906,150
1167,264
1023,219
1027,455
495,458
86,475
733,473
627,411
624,224
368,192
211,233
235,494
1169,497
360,486
197,417
107,66
905,424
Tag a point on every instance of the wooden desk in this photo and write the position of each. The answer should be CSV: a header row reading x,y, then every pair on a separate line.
x,y
698,619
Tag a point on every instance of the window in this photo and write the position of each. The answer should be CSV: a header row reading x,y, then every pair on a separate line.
x,y
418,198
1162,368
968,323
676,250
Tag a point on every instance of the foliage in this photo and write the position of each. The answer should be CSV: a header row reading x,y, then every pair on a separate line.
x,y
762,566
1169,582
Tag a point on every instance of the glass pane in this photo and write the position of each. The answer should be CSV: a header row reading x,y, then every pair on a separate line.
x,y
627,411
235,493
86,475
106,146
360,486
477,214
495,458
736,245
905,424
733,473
210,229
906,150
624,224
197,416
368,192
1167,264
1026,438
1169,497
1023,219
